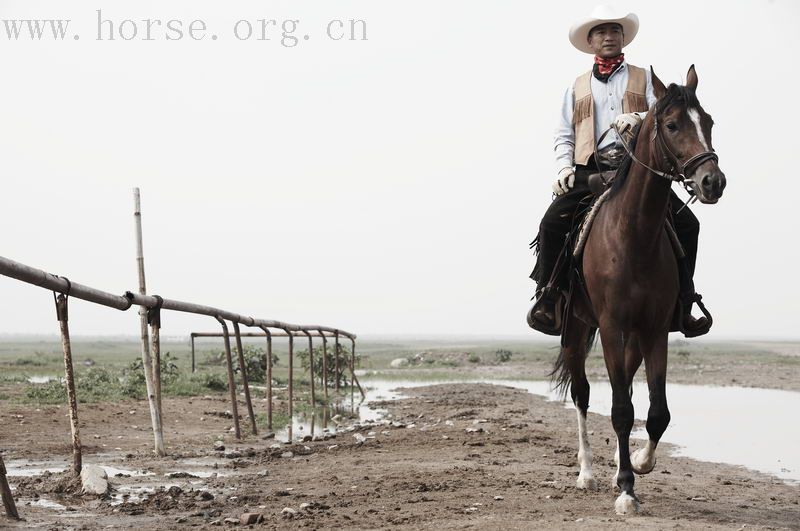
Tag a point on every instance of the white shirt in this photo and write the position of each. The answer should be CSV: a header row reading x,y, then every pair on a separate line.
x,y
607,106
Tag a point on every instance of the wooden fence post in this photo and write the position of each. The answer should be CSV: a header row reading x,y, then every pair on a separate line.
x,y
324,366
311,367
336,360
62,308
269,376
291,378
231,381
5,491
243,368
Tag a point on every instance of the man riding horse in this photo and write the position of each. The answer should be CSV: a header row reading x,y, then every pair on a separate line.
x,y
612,98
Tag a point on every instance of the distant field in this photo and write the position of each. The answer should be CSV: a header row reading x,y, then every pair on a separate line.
x,y
761,364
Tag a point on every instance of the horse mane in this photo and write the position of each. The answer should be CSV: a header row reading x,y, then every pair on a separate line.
x,y
676,95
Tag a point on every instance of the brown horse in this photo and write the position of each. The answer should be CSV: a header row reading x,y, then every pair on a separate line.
x,y
631,277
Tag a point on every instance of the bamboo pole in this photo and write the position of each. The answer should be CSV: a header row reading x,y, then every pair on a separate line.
x,y
63,318
147,362
243,368
5,492
231,381
269,377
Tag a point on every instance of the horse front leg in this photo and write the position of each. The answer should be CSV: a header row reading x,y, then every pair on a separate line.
x,y
643,460
622,359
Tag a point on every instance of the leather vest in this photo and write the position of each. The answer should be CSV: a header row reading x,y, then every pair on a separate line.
x,y
633,100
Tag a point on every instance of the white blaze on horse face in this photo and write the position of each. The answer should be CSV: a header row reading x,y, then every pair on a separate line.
x,y
585,478
695,117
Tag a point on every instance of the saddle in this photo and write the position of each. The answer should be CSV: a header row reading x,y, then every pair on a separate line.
x,y
576,298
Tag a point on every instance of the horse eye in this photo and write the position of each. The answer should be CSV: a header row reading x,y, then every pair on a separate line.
x,y
672,126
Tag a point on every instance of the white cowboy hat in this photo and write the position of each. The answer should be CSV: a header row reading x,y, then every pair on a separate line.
x,y
602,14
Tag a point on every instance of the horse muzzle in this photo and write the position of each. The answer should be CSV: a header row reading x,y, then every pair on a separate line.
x,y
708,183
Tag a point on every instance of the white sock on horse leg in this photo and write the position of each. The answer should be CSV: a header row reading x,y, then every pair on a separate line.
x,y
585,478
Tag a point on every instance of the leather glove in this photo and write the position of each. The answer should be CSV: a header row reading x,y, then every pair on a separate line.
x,y
565,181
626,123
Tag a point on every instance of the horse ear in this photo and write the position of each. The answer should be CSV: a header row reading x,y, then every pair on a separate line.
x,y
691,78
658,87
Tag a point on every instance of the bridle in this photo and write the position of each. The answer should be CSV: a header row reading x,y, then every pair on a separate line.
x,y
679,170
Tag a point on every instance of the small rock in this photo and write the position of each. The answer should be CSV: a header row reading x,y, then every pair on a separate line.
x,y
269,435
333,447
264,473
287,455
305,506
474,430
250,518
204,495
274,446
579,520
499,498
231,521
398,362
449,423
359,438
288,512
699,498
180,520
219,446
307,438
233,455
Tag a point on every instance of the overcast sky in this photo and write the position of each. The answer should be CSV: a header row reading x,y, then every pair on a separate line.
x,y
383,186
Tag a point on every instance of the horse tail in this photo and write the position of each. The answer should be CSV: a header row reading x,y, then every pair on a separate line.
x,y
566,362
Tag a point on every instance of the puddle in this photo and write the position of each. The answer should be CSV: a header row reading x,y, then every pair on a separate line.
x,y
48,504
121,472
734,425
25,468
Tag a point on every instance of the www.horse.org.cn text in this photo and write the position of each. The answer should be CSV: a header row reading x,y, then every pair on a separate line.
x,y
286,32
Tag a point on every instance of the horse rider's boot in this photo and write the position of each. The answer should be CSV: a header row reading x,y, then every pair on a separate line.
x,y
544,314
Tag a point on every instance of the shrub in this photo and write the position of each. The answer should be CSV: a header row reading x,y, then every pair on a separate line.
x,y
473,358
344,363
502,355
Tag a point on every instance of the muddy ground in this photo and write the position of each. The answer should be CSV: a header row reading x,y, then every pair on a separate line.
x,y
516,471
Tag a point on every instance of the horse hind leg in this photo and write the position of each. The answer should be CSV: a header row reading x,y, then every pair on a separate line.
x,y
643,460
570,369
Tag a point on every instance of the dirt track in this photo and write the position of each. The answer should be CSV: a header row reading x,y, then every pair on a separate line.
x,y
430,476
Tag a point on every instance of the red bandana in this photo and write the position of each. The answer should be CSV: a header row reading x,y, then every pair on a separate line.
x,y
606,67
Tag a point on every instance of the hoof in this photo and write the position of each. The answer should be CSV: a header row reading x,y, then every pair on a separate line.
x,y
587,483
626,504
640,464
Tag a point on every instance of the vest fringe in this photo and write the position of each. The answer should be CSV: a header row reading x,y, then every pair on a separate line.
x,y
635,102
583,109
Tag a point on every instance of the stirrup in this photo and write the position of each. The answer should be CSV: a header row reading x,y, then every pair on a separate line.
x,y
698,299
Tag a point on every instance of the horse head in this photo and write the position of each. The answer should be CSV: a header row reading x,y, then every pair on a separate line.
x,y
682,130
